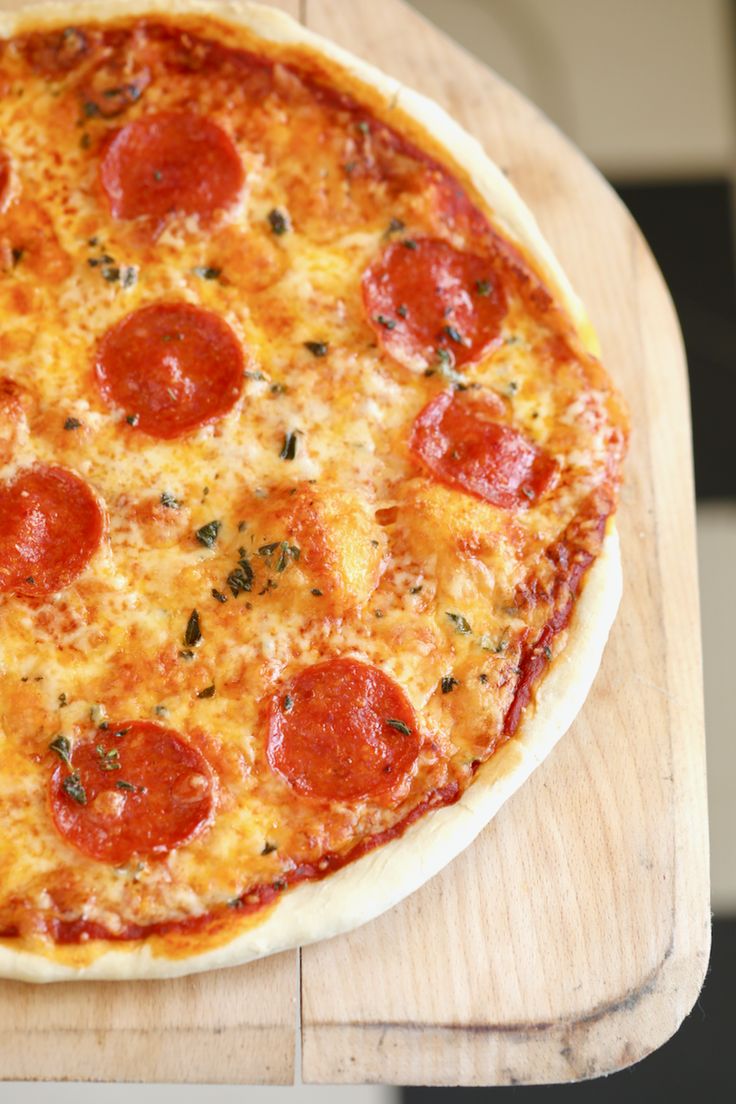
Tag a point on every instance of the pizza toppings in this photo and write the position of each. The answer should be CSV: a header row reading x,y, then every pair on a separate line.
x,y
51,524
172,366
342,730
352,543
422,296
134,790
170,162
461,446
112,86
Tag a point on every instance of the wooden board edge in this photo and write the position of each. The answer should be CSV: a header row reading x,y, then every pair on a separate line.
x,y
594,1045
649,1013
222,1055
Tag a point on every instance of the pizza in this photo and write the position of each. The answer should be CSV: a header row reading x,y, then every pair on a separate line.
x,y
308,479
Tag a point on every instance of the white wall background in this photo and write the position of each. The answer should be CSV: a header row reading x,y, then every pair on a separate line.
x,y
644,87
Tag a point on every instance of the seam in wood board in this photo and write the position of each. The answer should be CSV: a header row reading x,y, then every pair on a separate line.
x,y
299,1030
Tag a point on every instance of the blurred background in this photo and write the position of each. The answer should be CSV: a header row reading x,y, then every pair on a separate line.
x,y
647,89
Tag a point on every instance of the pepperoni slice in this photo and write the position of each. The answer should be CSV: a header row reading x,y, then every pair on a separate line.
x,y
422,296
135,789
463,448
171,161
51,524
342,730
171,367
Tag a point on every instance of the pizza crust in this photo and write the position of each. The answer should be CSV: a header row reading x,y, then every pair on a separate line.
x,y
369,886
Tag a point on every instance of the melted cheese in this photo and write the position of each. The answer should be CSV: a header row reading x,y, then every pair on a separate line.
x,y
389,560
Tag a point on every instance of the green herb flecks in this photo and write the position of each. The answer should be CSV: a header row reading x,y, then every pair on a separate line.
x,y
207,534
461,624
287,704
289,447
317,348
193,632
109,759
400,726
121,785
207,272
72,423
387,323
454,335
278,221
448,684
98,715
240,580
446,368
394,226
483,287
169,501
74,789
286,553
62,747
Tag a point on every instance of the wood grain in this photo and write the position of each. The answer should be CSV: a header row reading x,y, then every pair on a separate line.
x,y
573,937
229,1026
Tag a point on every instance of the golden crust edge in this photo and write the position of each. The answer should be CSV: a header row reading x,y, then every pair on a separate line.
x,y
375,883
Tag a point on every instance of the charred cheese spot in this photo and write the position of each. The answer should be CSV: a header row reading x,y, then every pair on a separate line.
x,y
249,259
151,522
29,244
437,520
341,545
15,405
57,53
115,83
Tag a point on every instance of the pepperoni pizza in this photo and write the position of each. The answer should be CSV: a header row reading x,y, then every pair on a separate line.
x,y
308,472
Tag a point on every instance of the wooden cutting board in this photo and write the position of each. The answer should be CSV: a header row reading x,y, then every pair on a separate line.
x,y
572,938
